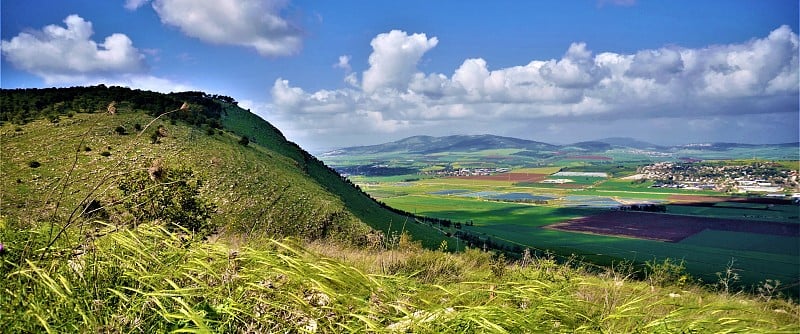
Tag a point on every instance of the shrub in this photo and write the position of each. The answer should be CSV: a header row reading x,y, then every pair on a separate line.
x,y
34,164
105,153
244,141
137,127
498,266
170,195
120,130
667,272
95,209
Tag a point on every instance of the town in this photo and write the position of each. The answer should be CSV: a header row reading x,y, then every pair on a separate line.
x,y
758,177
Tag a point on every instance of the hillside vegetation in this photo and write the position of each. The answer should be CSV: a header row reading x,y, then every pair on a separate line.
x,y
81,151
149,280
129,211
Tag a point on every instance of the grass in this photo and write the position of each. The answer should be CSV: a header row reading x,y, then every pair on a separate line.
x,y
268,188
150,280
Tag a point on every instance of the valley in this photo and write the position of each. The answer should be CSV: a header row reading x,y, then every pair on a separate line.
x,y
602,206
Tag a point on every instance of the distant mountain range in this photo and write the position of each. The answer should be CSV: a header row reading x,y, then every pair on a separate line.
x,y
467,143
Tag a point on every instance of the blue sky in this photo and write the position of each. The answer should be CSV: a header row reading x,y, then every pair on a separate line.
x,y
342,73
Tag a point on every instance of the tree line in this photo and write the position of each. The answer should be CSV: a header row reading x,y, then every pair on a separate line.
x,y
22,105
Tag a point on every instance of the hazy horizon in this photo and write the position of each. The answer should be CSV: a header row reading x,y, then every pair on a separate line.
x,y
327,149
352,73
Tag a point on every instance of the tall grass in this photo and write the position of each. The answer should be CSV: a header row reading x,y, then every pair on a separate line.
x,y
148,279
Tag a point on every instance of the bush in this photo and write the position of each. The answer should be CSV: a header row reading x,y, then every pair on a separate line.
x,y
244,141
120,130
170,195
34,164
95,209
667,272
105,153
498,266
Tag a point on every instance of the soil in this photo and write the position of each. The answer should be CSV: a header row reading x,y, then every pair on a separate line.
x,y
513,177
665,227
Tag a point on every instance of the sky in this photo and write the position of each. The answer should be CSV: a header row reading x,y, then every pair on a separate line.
x,y
348,73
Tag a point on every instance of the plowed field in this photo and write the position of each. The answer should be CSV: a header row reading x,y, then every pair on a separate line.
x,y
670,228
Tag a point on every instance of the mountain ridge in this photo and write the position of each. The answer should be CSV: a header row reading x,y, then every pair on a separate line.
x,y
431,144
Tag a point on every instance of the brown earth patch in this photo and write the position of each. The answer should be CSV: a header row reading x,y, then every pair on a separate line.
x,y
570,185
589,157
696,199
513,177
664,227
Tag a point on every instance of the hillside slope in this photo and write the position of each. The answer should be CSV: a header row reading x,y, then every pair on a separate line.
x,y
269,187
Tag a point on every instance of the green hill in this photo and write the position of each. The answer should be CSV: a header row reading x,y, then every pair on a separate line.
x,y
270,187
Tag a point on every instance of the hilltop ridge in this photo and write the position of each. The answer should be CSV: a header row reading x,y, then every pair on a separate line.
x,y
466,143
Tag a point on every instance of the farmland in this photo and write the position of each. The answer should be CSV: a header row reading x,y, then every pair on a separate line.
x,y
705,229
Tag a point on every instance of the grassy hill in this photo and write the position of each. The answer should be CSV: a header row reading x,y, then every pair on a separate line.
x,y
270,187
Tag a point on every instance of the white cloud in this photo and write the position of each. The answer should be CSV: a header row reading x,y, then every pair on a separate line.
x,y
755,77
134,4
68,57
344,63
59,54
394,59
251,23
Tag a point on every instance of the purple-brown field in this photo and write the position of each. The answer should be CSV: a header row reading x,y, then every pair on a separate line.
x,y
666,227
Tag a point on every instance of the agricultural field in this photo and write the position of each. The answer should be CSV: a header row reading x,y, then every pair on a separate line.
x,y
709,231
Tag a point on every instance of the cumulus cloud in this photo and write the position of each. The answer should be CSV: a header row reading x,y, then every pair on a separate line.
x,y
67,56
394,59
756,77
251,23
59,54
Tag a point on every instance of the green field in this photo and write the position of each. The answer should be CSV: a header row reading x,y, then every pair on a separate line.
x,y
755,257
